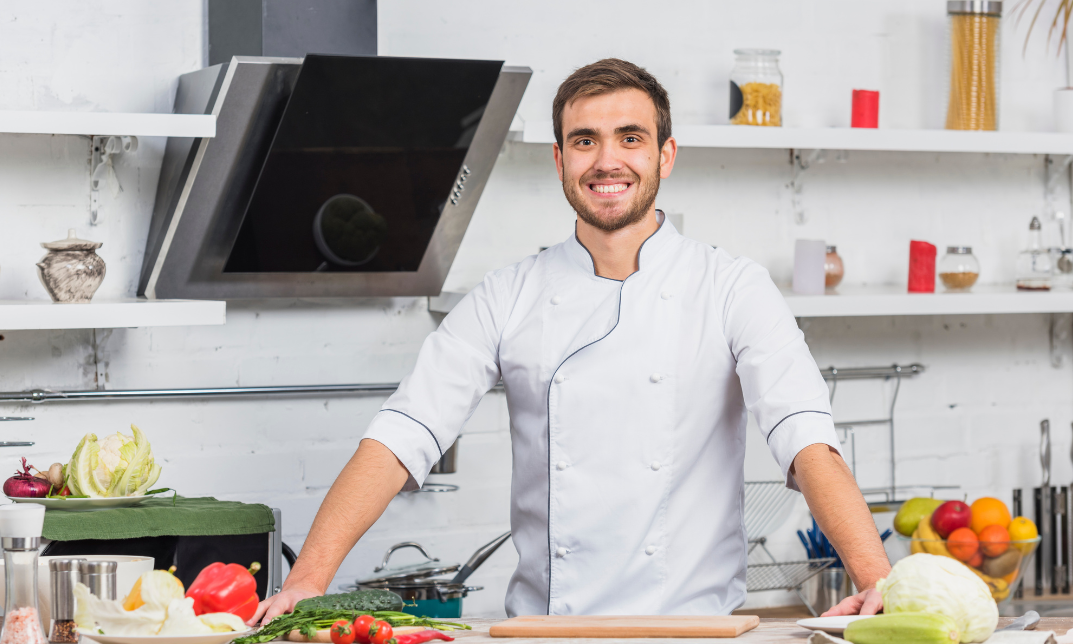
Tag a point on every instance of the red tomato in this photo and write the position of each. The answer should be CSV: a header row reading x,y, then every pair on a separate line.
x,y
342,632
362,625
383,633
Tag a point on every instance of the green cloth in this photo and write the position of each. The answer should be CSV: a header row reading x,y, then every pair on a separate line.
x,y
158,517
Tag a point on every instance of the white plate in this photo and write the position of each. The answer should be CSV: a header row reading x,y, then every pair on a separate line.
x,y
833,625
211,638
84,505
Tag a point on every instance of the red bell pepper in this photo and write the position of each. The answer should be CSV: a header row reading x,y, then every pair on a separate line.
x,y
225,588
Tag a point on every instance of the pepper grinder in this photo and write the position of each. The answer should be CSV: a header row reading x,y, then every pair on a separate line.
x,y
63,574
20,536
99,577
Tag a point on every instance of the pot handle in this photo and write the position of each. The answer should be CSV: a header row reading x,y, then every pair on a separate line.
x,y
397,546
479,557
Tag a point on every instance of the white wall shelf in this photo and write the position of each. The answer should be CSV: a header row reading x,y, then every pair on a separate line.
x,y
108,124
106,314
743,136
893,300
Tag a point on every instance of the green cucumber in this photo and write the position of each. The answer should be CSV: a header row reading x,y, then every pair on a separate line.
x,y
904,628
366,601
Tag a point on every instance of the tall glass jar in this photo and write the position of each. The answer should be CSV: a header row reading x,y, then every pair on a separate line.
x,y
959,268
1034,266
974,64
756,88
20,535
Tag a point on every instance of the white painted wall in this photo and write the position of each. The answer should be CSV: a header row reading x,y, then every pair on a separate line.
x,y
971,420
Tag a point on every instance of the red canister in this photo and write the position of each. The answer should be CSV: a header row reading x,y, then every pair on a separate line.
x,y
921,267
865,108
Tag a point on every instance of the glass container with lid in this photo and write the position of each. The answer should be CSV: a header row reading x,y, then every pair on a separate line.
x,y
756,88
20,535
1034,266
959,269
833,269
974,64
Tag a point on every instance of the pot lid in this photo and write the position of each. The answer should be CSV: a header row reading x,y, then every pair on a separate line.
x,y
412,572
72,243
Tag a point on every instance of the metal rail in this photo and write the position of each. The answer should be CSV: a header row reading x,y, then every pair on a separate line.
x,y
43,395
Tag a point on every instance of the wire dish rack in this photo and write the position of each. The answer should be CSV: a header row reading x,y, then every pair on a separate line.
x,y
767,506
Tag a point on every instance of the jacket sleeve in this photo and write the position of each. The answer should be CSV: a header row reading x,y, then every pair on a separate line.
x,y
780,381
458,363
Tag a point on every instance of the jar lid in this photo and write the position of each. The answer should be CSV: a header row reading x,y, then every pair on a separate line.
x,y
98,567
22,520
832,249
72,243
986,7
959,250
769,53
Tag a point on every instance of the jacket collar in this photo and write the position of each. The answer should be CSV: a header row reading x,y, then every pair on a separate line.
x,y
650,253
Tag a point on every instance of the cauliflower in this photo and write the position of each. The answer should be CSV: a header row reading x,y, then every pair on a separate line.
x,y
117,465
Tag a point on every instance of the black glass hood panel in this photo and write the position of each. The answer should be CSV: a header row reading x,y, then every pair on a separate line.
x,y
363,162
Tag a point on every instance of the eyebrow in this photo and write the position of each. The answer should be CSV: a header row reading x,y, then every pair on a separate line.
x,y
624,129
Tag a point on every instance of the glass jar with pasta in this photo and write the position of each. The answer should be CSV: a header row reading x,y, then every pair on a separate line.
x,y
756,88
974,64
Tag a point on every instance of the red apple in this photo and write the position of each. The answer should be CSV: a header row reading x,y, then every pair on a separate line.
x,y
950,516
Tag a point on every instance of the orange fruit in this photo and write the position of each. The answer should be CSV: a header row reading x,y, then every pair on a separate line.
x,y
994,540
976,561
963,544
988,511
1010,577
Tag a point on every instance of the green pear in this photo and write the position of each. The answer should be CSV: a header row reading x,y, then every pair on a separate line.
x,y
912,511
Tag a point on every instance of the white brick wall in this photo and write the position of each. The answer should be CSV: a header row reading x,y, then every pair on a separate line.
x,y
971,420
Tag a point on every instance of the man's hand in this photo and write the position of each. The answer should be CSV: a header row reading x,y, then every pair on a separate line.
x,y
281,602
869,602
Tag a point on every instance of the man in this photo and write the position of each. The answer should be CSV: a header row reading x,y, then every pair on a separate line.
x,y
629,356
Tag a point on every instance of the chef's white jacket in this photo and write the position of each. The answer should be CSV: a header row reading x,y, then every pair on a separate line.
x,y
627,404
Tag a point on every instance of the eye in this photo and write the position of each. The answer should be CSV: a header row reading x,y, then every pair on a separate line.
x,y
585,142
632,139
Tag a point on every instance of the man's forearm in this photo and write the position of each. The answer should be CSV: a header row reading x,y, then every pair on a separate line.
x,y
841,512
355,501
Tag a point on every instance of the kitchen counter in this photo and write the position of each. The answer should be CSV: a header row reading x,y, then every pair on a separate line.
x,y
770,630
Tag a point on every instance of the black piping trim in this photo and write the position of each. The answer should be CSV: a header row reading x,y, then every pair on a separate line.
x,y
806,411
618,318
593,259
440,449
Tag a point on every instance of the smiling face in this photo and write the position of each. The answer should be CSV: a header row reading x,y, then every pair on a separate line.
x,y
610,162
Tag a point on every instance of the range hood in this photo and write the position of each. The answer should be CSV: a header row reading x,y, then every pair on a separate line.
x,y
329,176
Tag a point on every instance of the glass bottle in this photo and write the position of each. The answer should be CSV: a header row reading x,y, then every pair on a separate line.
x,y
756,88
1033,264
975,26
20,535
959,268
833,269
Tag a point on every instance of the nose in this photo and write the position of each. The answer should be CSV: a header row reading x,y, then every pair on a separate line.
x,y
608,160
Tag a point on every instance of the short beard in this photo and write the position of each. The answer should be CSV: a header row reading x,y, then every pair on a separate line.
x,y
635,211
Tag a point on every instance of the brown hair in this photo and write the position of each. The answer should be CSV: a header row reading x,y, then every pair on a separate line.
x,y
610,75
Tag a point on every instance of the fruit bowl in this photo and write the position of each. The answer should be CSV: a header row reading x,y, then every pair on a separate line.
x,y
1000,567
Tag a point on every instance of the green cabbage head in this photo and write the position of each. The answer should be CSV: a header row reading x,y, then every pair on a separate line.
x,y
935,584
117,465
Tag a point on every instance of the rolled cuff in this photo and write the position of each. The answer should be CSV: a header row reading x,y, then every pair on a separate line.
x,y
409,440
796,432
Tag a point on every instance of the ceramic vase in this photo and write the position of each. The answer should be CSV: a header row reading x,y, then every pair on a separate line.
x,y
72,271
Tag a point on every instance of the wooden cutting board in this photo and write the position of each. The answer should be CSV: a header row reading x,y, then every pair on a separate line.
x,y
625,626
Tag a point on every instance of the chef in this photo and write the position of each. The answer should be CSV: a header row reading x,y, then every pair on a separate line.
x,y
630,356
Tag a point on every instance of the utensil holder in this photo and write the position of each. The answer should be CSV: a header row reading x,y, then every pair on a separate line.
x,y
832,586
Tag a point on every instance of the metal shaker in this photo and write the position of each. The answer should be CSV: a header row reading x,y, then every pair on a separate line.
x,y
100,577
63,573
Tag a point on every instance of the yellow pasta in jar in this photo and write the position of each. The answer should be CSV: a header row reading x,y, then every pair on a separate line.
x,y
761,105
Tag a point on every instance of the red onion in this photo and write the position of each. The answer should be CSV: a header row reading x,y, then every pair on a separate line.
x,y
25,485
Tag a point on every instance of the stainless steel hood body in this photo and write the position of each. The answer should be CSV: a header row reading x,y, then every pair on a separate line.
x,y
207,187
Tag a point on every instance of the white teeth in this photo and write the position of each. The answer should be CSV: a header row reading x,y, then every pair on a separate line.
x,y
617,187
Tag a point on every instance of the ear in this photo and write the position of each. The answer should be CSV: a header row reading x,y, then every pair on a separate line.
x,y
558,160
667,156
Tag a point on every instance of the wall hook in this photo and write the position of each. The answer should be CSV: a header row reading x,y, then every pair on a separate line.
x,y
800,163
